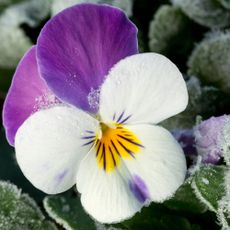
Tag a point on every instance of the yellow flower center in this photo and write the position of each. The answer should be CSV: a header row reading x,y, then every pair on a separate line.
x,y
113,143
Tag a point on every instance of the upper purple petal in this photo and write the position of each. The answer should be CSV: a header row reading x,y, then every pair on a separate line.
x,y
78,47
27,94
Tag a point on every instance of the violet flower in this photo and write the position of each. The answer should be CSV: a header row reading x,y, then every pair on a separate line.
x,y
187,141
83,107
210,139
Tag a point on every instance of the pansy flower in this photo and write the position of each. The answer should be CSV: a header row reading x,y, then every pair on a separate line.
x,y
83,107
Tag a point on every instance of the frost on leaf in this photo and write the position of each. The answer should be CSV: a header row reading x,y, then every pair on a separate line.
x,y
211,186
19,211
209,13
165,36
210,60
59,5
66,210
14,42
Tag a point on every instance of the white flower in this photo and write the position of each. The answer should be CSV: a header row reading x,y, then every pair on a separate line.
x,y
119,160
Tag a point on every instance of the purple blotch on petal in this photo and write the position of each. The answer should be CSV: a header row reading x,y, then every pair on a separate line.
x,y
61,176
139,189
78,47
28,93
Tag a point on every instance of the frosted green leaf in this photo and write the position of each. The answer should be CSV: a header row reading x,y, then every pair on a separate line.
x,y
208,185
126,5
209,13
59,5
6,3
202,101
19,211
185,200
210,60
211,185
166,30
156,216
225,3
226,145
29,12
223,212
67,211
14,43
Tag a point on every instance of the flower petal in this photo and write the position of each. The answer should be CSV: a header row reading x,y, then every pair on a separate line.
x,y
28,93
143,88
50,144
105,196
153,174
161,164
77,48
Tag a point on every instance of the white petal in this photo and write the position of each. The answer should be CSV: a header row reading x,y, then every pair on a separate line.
x,y
160,164
105,196
49,146
148,87
155,173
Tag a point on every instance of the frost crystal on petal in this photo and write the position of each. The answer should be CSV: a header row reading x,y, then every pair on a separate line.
x,y
45,101
93,98
211,139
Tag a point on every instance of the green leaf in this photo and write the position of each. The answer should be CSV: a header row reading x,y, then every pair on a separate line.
x,y
125,5
211,185
6,3
185,200
14,43
225,3
209,13
165,37
66,210
208,185
210,60
19,211
157,217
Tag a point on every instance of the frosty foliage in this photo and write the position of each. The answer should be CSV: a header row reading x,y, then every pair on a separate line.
x,y
67,211
210,60
59,5
226,147
225,3
13,45
211,185
14,41
19,211
209,13
30,12
166,28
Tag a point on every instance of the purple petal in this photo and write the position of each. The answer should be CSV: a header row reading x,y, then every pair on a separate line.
x,y
78,47
210,140
28,93
187,141
139,189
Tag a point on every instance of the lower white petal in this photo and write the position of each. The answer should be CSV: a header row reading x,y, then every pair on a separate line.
x,y
160,163
105,196
115,189
51,143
